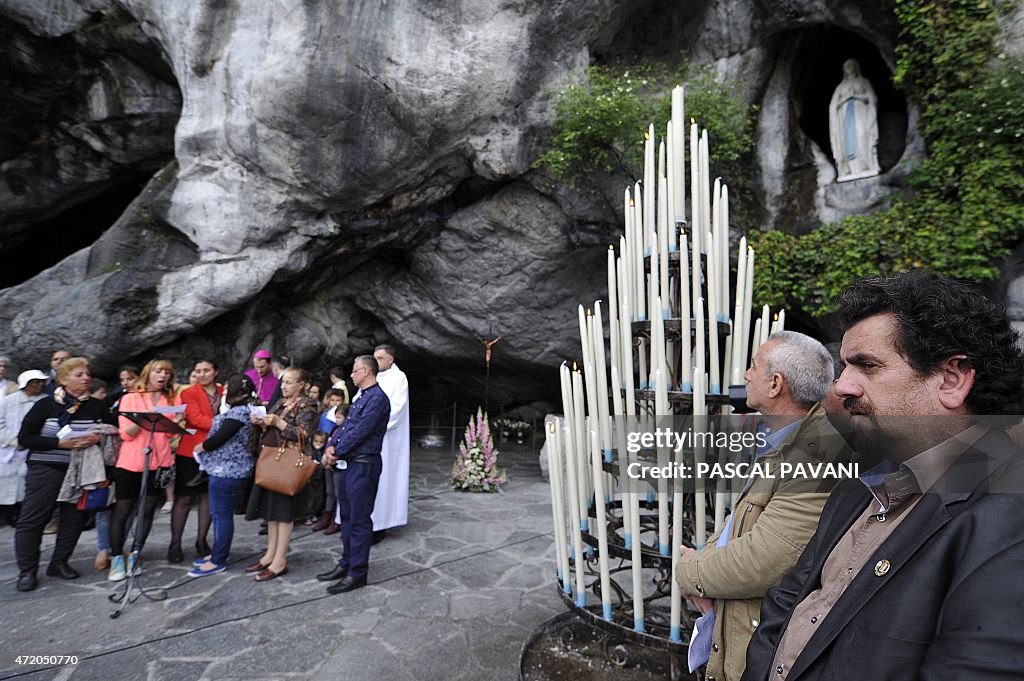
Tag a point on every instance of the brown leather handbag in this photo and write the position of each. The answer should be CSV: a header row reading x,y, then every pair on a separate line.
x,y
285,468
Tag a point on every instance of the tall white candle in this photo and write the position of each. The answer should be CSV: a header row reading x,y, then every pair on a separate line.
x,y
748,308
579,437
684,315
661,410
577,504
670,175
782,320
699,355
553,443
602,525
613,308
663,231
738,322
638,302
695,218
655,279
636,559
627,360
723,255
700,423
620,441
755,342
765,328
705,188
650,182
714,244
715,386
602,384
677,166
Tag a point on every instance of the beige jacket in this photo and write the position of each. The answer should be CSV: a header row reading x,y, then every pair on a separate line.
x,y
774,521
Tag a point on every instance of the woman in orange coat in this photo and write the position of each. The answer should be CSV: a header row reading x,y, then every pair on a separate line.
x,y
154,389
202,402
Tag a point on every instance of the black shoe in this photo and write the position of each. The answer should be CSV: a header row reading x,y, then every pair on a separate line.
x,y
263,530
202,548
378,537
348,584
27,581
175,554
337,572
62,570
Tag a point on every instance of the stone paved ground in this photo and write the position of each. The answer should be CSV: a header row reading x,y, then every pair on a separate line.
x,y
453,596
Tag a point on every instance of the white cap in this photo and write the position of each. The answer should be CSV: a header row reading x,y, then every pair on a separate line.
x,y
31,375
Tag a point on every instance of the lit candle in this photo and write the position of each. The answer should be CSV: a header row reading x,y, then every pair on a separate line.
x,y
602,525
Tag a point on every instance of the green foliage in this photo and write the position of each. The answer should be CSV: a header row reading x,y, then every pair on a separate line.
x,y
967,199
600,123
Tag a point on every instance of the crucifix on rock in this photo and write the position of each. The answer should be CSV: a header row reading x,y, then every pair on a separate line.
x,y
488,345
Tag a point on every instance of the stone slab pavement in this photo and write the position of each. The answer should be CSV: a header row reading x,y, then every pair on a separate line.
x,y
453,595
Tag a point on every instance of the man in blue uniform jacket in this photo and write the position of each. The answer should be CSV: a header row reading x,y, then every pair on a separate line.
x,y
354,449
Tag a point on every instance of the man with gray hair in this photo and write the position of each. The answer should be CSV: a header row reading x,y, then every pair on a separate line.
x,y
773,519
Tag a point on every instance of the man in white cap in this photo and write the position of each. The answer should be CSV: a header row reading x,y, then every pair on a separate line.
x,y
13,408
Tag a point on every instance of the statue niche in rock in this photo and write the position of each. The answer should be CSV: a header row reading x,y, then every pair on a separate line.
x,y
853,125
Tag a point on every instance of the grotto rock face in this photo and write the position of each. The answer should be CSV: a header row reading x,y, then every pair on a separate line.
x,y
207,177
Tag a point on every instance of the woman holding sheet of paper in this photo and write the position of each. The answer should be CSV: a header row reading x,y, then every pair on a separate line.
x,y
53,427
154,389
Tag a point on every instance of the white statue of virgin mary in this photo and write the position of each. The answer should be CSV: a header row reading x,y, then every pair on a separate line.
x,y
853,125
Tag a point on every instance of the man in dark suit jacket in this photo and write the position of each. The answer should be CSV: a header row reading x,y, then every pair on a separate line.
x,y
915,569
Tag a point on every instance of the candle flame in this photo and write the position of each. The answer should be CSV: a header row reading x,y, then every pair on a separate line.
x,y
693,121
574,366
632,203
611,247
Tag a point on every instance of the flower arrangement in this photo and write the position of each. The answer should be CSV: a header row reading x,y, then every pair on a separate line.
x,y
475,468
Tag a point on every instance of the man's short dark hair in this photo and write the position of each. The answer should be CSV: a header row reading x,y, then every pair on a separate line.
x,y
367,361
938,317
390,349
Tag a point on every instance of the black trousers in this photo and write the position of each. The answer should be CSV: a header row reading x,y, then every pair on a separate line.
x,y
42,485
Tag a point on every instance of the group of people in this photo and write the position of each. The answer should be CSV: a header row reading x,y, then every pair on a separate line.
x,y
67,447
909,571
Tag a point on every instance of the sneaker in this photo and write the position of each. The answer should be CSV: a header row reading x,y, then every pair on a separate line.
x,y
166,508
117,573
200,572
201,559
132,567
51,527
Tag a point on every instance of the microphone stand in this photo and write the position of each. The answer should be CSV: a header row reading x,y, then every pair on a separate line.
x,y
152,422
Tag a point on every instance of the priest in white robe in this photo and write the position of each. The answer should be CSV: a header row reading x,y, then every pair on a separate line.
x,y
392,506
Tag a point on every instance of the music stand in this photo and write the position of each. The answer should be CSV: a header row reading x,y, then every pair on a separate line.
x,y
152,422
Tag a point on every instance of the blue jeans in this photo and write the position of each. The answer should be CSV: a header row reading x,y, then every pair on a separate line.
x,y
103,530
223,495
